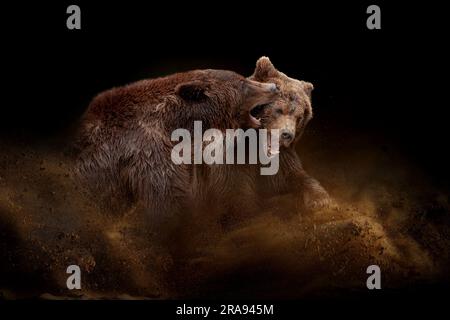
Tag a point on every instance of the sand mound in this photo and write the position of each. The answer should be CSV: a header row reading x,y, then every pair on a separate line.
x,y
388,215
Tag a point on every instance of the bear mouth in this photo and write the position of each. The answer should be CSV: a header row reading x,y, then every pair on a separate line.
x,y
270,151
256,114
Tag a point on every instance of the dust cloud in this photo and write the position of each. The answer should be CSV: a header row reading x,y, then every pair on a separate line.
x,y
389,214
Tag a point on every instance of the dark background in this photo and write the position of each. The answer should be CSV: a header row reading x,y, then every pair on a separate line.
x,y
378,82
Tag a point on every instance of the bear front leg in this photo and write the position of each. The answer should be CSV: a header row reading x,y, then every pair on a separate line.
x,y
313,195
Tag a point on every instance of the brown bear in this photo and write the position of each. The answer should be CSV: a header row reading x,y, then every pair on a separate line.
x,y
289,113
235,191
125,145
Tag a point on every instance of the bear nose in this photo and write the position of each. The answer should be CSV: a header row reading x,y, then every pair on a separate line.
x,y
287,135
273,87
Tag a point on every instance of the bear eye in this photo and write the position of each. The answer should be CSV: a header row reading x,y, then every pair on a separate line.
x,y
279,111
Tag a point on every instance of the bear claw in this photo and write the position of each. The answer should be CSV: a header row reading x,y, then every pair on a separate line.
x,y
318,201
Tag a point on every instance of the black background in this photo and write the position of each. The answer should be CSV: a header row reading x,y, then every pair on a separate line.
x,y
385,82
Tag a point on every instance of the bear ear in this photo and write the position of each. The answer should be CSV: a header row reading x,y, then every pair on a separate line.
x,y
192,91
308,87
264,69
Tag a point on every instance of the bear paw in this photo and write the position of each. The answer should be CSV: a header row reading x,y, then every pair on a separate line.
x,y
315,200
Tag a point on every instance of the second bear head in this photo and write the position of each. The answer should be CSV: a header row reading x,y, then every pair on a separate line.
x,y
291,111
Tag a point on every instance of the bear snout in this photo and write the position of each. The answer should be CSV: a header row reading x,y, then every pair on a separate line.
x,y
287,135
273,88
263,87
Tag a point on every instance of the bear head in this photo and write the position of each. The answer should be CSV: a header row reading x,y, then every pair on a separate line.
x,y
236,95
291,111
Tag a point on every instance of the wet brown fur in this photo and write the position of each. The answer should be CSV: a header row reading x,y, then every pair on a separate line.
x,y
125,142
